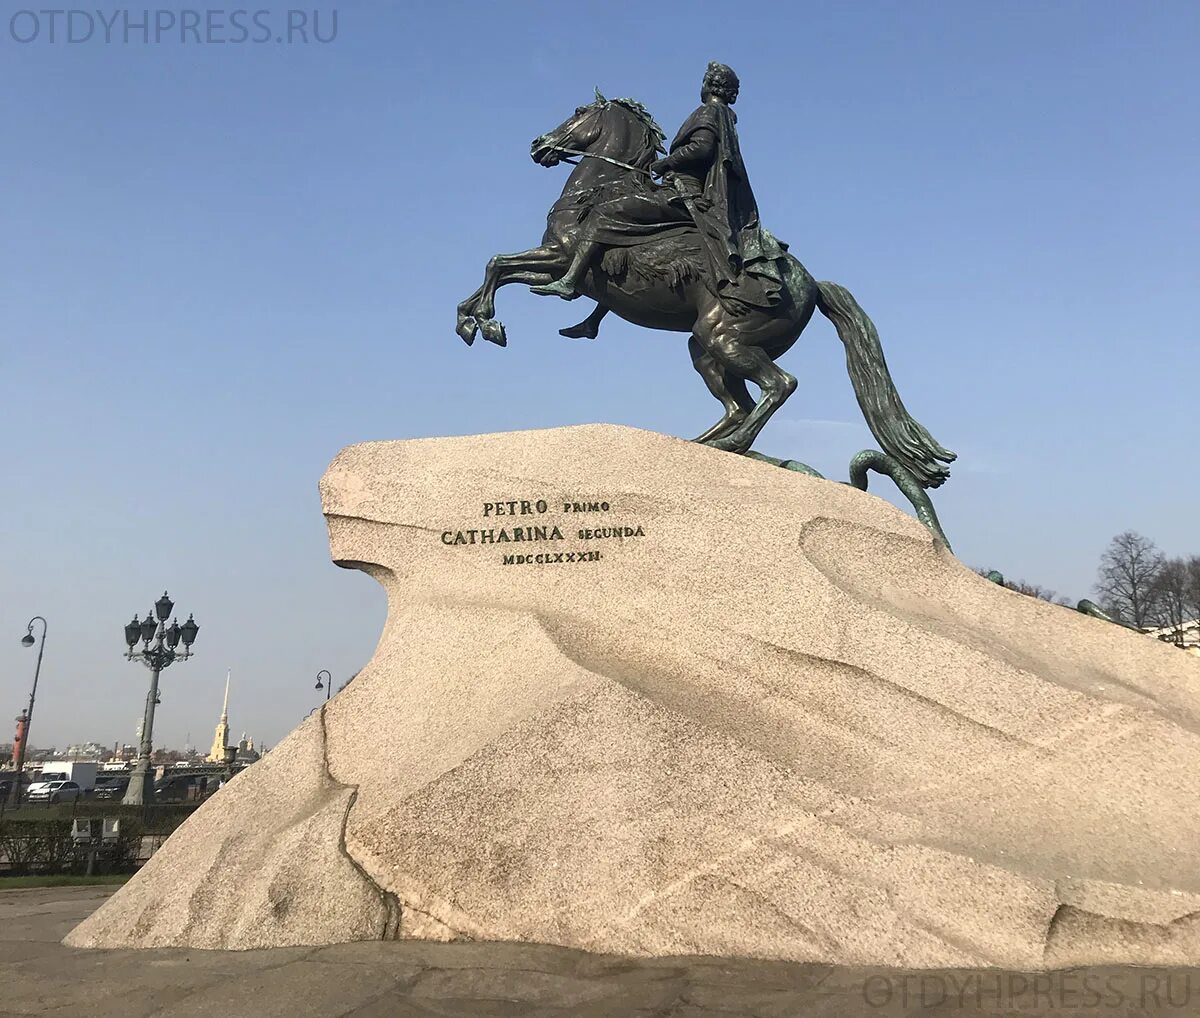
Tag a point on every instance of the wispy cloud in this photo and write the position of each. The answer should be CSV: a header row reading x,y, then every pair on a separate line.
x,y
816,422
819,433
812,427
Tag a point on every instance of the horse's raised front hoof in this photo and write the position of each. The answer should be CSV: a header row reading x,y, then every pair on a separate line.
x,y
493,331
466,328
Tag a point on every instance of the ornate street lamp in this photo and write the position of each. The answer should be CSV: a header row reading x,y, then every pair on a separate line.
x,y
28,640
162,654
328,686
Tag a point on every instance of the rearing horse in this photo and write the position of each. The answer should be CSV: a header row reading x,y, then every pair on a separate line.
x,y
659,284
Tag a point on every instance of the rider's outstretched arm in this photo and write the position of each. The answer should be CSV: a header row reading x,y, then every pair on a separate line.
x,y
696,152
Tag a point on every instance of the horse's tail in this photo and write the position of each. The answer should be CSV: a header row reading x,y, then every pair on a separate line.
x,y
893,427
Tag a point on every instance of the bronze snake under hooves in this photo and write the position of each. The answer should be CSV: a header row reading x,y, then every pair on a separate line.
x,y
882,463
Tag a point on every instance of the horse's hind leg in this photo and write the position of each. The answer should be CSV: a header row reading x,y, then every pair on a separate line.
x,y
745,361
718,382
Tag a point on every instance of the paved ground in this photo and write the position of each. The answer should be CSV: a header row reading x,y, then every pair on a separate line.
x,y
38,976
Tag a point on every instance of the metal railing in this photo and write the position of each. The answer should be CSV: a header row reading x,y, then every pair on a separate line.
x,y
99,837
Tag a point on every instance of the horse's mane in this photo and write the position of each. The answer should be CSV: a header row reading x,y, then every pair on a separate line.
x,y
654,135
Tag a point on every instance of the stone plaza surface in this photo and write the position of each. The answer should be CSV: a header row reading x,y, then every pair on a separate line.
x,y
641,697
416,979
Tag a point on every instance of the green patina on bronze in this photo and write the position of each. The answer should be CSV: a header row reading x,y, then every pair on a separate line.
x,y
691,255
889,466
1084,607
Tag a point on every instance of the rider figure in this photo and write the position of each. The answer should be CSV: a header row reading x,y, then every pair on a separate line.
x,y
706,171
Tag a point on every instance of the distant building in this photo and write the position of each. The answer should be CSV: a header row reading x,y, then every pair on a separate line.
x,y
1186,636
121,754
116,763
86,751
246,753
221,735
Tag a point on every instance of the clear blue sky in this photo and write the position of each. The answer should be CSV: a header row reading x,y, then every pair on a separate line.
x,y
222,263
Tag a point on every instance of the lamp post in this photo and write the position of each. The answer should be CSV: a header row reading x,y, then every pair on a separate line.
x,y
26,719
328,682
154,629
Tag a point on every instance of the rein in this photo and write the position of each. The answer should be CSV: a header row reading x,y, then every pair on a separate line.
x,y
594,155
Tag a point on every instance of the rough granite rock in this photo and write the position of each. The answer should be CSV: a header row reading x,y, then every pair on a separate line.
x,y
773,718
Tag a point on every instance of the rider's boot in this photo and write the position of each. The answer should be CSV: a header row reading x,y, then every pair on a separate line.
x,y
564,288
589,328
567,287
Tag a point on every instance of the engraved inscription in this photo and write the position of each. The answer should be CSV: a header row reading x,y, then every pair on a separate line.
x,y
501,536
522,507
621,532
538,529
561,556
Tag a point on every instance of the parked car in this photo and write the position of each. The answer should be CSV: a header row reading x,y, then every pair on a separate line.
x,y
175,788
6,784
112,789
54,791
111,778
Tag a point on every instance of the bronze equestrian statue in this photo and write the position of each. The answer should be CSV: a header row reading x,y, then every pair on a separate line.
x,y
690,255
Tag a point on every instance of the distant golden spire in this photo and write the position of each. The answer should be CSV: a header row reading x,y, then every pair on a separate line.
x,y
221,735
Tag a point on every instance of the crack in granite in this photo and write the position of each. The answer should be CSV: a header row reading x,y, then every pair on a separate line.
x,y
393,912
459,933
382,523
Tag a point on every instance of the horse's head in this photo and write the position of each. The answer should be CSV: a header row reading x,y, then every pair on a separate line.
x,y
579,131
621,128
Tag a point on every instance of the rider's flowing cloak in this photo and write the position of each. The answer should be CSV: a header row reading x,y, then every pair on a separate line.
x,y
742,256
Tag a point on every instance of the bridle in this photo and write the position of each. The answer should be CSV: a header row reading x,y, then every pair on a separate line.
x,y
596,155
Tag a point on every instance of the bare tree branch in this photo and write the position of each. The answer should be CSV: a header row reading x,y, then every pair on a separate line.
x,y
1192,593
1129,569
1169,597
1031,589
